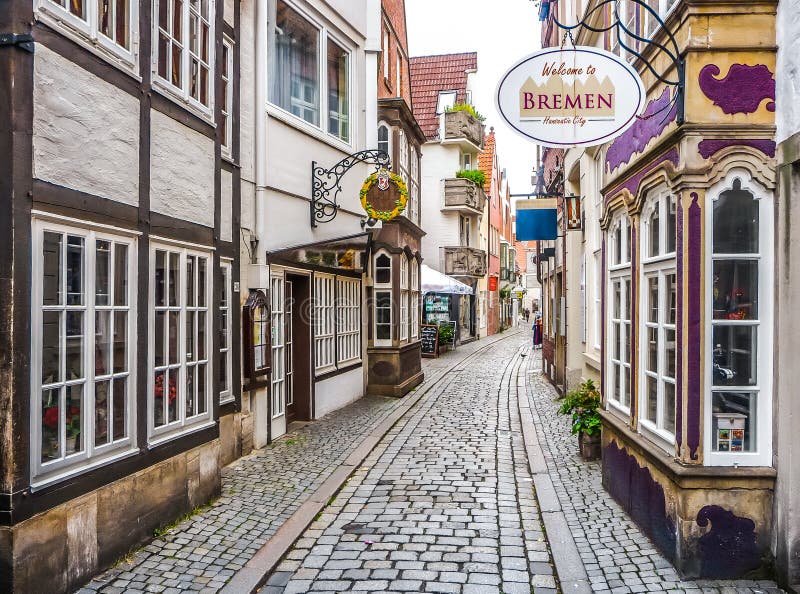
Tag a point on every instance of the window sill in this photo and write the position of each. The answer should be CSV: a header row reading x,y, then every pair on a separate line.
x,y
159,439
167,90
334,372
47,480
592,360
309,129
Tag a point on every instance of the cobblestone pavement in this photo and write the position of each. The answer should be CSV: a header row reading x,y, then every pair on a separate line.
x,y
618,557
259,492
443,504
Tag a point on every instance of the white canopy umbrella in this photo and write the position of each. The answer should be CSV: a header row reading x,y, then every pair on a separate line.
x,y
434,281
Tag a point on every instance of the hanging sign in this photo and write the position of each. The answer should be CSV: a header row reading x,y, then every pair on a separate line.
x,y
576,96
384,195
537,219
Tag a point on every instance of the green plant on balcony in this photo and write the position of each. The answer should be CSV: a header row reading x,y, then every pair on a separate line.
x,y
474,175
468,108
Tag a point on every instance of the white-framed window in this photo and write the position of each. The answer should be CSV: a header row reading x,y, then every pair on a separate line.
x,y
348,320
584,313
405,299
82,355
109,25
464,230
660,7
309,71
598,296
384,138
415,298
382,296
738,341
183,50
466,161
385,54
324,322
279,388
658,307
224,382
445,101
412,212
226,73
618,347
180,342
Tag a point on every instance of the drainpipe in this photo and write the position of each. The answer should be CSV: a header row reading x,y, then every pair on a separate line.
x,y
258,279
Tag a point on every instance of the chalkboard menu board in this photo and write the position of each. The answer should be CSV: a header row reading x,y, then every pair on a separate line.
x,y
429,337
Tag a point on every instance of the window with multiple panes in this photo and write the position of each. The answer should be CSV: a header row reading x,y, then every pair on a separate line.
x,y
277,298
184,49
297,85
619,314
740,295
226,74
225,368
180,340
105,23
348,320
405,298
324,322
385,55
415,299
82,313
384,142
659,315
382,296
412,211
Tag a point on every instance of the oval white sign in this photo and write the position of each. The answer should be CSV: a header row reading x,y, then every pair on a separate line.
x,y
579,96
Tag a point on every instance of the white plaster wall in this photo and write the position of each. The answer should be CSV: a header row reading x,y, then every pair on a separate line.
x,y
338,391
182,171
228,12
226,205
247,89
85,130
787,77
441,227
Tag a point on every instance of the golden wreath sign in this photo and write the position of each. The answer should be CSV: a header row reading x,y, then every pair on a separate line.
x,y
384,195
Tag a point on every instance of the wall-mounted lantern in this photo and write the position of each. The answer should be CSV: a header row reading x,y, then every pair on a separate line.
x,y
257,339
572,213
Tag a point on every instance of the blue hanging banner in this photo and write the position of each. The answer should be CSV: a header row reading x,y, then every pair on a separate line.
x,y
537,219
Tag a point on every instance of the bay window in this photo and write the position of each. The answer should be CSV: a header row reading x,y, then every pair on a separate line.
x,y
405,297
415,299
83,298
659,316
184,50
619,312
179,393
739,328
297,49
382,296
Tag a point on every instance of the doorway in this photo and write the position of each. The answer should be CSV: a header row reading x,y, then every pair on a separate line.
x,y
297,351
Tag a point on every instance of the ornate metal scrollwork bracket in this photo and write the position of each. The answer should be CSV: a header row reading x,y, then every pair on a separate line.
x,y
326,183
670,50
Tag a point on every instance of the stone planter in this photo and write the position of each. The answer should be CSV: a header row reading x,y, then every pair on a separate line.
x,y
589,446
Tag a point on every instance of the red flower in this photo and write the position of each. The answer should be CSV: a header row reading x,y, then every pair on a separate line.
x,y
50,418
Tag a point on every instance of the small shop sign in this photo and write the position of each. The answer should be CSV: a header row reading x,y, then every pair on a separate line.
x,y
574,96
384,195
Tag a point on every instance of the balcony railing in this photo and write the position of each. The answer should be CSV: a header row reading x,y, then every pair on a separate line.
x,y
460,125
464,261
463,194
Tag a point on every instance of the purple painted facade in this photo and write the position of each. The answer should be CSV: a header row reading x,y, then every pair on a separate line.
x,y
649,125
634,335
679,327
633,182
707,148
741,90
603,316
694,340
730,547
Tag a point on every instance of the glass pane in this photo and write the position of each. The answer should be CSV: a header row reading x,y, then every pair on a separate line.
x,y
735,355
120,408
102,271
177,24
158,337
202,395
627,284
163,52
653,231
77,8
172,403
176,65
190,395
74,425
222,376
223,289
338,101
74,347
51,269
174,268
158,398
618,244
51,418
627,330
669,354
652,296
652,349
123,29
736,222
102,342
201,335
190,319
101,403
74,270
161,278
121,343
671,238
733,423
204,84
617,300
163,18
51,347
201,281
616,375
616,339
190,280
173,331
223,329
120,274
669,407
651,399
735,289
672,298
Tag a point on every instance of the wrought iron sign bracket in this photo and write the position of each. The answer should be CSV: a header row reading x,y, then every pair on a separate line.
x,y
624,35
326,183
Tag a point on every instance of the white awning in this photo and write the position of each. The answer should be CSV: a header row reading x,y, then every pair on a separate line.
x,y
434,281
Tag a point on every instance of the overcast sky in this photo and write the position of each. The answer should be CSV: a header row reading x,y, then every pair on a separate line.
x,y
502,32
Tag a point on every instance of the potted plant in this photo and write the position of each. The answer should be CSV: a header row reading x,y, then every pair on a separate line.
x,y
583,404
445,337
476,176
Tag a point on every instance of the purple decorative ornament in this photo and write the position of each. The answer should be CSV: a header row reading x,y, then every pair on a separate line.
x,y
707,148
742,90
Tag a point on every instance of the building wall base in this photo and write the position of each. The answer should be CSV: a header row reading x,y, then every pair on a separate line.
x,y
394,371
